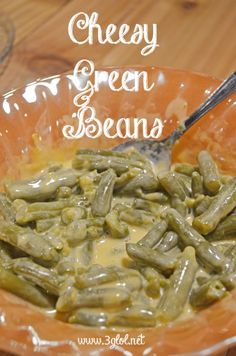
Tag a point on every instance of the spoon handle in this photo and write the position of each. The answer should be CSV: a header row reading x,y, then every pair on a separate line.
x,y
223,91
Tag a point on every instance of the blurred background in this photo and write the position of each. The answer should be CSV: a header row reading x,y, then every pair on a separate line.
x,y
197,35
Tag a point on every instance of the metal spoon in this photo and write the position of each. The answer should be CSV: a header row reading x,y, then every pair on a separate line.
x,y
160,151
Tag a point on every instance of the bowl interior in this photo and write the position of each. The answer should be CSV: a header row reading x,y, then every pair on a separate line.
x,y
31,121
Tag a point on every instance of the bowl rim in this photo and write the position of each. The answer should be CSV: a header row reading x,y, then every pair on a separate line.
x,y
114,67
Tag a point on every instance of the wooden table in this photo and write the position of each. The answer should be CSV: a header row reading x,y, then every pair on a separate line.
x,y
198,35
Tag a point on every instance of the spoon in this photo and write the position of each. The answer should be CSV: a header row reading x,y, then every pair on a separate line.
x,y
160,151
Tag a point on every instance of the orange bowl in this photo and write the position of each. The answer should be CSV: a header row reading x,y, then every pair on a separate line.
x,y
43,107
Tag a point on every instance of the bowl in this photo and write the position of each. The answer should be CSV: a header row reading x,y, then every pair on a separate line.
x,y
7,34
43,108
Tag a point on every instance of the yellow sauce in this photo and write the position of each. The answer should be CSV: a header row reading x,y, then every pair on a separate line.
x,y
107,250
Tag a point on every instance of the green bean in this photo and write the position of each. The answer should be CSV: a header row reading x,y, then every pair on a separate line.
x,y
99,222
199,198
184,168
102,163
22,288
228,280
212,258
152,289
88,183
5,255
189,202
203,205
233,212
38,275
145,181
94,232
172,186
161,261
43,187
158,197
97,277
185,181
223,247
197,184
150,273
202,280
65,266
130,280
226,229
169,241
101,204
207,253
222,204
84,254
179,205
208,170
203,277
225,244
79,230
176,294
103,297
78,259
119,207
134,316
154,235
28,241
230,252
6,209
111,276
75,201
153,281
115,227
225,179
88,317
188,236
52,237
53,167
207,294
26,213
24,216
98,152
133,153
44,225
137,217
69,215
150,206
125,178
63,192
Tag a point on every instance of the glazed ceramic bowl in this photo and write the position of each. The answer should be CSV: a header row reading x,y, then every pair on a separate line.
x,y
43,108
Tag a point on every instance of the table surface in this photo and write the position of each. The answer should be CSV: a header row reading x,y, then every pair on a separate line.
x,y
197,35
